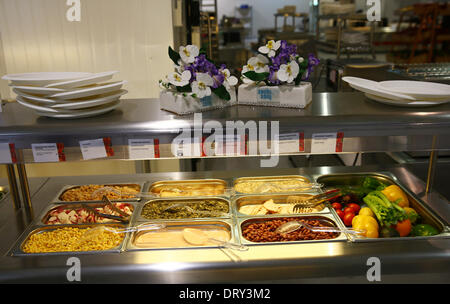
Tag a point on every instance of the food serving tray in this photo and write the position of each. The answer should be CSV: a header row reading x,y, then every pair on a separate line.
x,y
355,179
17,250
65,188
225,224
181,200
268,179
259,199
216,187
46,213
327,218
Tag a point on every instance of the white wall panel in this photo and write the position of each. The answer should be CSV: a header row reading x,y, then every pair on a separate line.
x,y
130,36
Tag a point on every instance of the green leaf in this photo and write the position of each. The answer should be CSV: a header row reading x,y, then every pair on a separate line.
x,y
298,79
252,75
174,55
221,92
300,75
304,63
186,88
303,67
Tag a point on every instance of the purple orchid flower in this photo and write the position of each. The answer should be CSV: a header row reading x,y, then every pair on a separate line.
x,y
218,80
202,65
273,75
286,53
312,62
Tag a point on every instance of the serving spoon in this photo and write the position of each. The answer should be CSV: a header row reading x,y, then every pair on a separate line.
x,y
292,226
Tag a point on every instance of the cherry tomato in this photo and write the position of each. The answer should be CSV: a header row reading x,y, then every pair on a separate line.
x,y
348,210
355,207
348,217
340,213
336,206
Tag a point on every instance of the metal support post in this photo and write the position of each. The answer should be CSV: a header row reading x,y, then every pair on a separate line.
x,y
13,188
431,166
23,179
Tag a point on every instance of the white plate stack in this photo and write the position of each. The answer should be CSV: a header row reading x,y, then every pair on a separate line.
x,y
67,94
403,93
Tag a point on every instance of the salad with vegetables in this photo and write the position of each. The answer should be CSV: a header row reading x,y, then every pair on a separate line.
x,y
379,210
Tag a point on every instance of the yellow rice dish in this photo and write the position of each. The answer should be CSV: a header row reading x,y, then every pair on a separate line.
x,y
71,239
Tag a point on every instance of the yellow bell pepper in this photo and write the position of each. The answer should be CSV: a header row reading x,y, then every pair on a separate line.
x,y
367,224
396,195
366,211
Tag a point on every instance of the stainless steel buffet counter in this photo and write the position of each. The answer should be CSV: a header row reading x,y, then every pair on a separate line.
x,y
368,126
407,260
350,111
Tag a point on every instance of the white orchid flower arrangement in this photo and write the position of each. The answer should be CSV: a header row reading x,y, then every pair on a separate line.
x,y
278,63
197,76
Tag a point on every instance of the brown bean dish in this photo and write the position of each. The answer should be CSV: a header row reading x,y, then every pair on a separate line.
x,y
260,232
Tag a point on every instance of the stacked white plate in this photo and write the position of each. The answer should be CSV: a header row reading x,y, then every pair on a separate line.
x,y
67,94
403,93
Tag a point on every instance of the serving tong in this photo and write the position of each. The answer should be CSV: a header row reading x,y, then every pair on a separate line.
x,y
106,200
311,202
122,217
269,187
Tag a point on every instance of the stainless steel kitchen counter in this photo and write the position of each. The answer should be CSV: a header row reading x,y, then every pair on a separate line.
x,y
367,126
351,113
401,261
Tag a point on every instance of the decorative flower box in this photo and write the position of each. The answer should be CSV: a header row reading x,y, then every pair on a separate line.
x,y
182,105
288,96
276,77
197,84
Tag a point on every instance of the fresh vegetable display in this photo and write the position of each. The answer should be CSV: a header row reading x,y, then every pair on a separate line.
x,y
379,210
